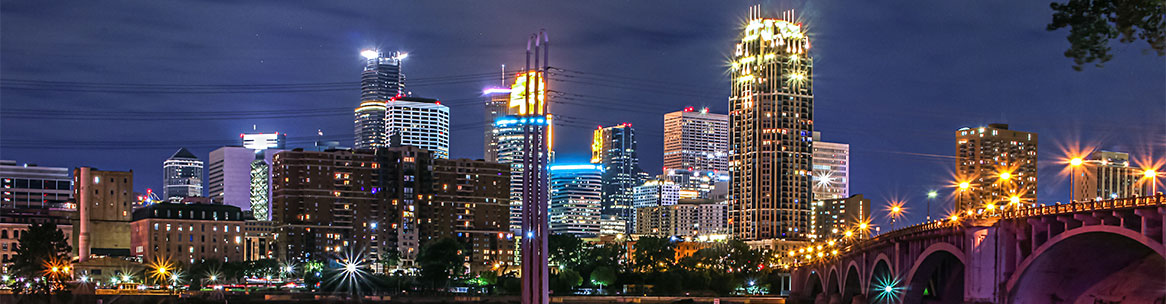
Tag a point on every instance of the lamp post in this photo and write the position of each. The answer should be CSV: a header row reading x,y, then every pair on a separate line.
x,y
1152,175
963,186
930,197
1073,164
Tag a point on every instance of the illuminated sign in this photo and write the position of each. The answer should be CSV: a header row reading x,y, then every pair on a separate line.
x,y
263,141
597,146
518,94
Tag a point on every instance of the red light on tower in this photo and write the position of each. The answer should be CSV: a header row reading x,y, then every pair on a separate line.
x,y
690,109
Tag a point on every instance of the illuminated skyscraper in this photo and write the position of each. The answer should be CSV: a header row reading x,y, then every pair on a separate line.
x,y
241,176
771,112
497,105
575,194
998,164
508,132
615,148
420,122
182,175
696,140
831,169
381,80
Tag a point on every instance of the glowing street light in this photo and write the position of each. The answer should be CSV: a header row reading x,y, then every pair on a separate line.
x,y
1014,200
1152,175
931,195
1005,176
350,267
1073,164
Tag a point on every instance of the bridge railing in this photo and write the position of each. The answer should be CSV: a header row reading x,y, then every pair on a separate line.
x,y
1104,205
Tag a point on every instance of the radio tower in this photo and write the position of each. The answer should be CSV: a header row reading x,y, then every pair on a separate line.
x,y
535,228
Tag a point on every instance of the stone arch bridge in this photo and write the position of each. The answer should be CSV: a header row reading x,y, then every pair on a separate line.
x,y
1095,252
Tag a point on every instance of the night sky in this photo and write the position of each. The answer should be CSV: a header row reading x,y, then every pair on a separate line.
x,y
894,79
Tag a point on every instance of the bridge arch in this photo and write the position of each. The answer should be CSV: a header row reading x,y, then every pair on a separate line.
x,y
881,257
882,275
937,275
814,284
832,284
852,283
1091,263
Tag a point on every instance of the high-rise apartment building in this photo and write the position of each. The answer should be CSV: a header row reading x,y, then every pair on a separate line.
x,y
1106,175
771,106
615,148
389,202
699,184
575,192
187,233
103,208
471,203
497,106
182,175
998,164
419,122
381,80
696,140
833,217
319,199
831,169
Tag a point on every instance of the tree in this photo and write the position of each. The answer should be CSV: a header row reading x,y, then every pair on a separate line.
x,y
439,259
568,279
1092,23
603,276
39,246
653,253
565,250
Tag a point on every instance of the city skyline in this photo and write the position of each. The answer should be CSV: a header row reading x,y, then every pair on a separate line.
x,y
878,140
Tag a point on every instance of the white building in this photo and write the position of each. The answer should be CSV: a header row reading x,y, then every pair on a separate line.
x,y
831,169
419,122
696,140
689,218
229,176
575,199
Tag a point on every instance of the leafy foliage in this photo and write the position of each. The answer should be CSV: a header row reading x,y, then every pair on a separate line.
x,y
1092,23
653,254
38,245
439,260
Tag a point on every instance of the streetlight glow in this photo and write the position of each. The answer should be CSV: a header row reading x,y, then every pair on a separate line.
x,y
932,194
1005,175
1014,199
965,186
1076,161
1150,173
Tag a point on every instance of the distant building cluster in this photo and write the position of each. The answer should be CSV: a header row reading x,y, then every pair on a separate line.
x,y
759,173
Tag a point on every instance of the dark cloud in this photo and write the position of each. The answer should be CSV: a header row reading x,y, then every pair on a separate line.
x,y
894,79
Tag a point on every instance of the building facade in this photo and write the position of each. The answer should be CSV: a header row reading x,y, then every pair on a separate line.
x,y
575,193
1107,175
696,140
834,217
182,175
688,218
258,239
615,148
419,122
104,198
381,80
188,233
471,203
509,133
497,106
998,164
28,186
831,169
771,113
319,198
229,174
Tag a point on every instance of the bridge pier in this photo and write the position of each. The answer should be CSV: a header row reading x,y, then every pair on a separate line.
x,y
980,274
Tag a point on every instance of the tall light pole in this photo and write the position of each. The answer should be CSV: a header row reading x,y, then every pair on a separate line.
x,y
1073,164
1152,175
930,197
963,186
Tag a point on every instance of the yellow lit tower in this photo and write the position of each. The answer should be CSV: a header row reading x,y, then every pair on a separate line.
x,y
771,114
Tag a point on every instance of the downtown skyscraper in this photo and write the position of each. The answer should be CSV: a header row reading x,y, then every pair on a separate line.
x,y
831,169
696,140
615,148
182,175
771,112
575,192
380,81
